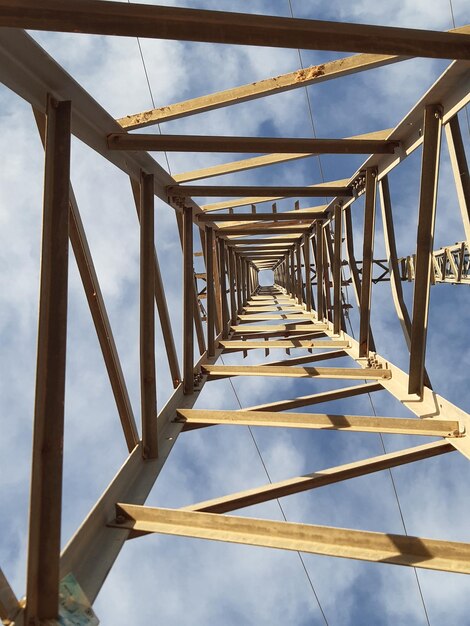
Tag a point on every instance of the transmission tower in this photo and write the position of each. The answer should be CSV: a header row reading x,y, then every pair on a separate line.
x,y
225,311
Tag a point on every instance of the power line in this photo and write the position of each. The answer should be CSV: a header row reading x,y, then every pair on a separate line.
x,y
309,103
234,391
151,94
394,487
279,502
320,166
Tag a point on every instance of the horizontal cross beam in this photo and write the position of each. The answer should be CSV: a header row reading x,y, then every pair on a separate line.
x,y
222,371
326,540
265,229
325,421
287,328
245,241
208,143
306,216
288,343
226,191
265,159
161,22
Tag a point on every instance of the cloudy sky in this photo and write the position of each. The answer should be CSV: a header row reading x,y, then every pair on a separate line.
x,y
179,581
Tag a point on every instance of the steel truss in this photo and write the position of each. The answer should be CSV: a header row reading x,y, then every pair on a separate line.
x,y
237,315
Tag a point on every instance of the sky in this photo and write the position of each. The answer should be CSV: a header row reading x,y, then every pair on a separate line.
x,y
176,581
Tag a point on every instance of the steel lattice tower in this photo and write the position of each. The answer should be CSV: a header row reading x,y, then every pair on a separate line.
x,y
225,311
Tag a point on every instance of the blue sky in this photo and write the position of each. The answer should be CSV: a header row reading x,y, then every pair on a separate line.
x,y
184,581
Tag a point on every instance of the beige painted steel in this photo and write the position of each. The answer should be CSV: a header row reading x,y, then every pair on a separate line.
x,y
353,544
260,161
160,22
228,204
162,307
432,126
288,343
45,512
91,553
98,310
148,382
297,372
326,421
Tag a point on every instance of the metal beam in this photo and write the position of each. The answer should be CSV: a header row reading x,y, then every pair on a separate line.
x,y
212,143
367,262
258,89
287,328
188,301
48,433
211,313
288,343
94,296
162,307
267,193
148,382
306,216
296,372
391,251
338,240
354,544
325,421
272,227
232,204
136,20
424,245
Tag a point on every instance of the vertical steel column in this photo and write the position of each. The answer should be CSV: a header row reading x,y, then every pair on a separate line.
x,y
299,274
367,262
292,272
319,269
338,235
217,294
233,304
148,384
327,266
238,273
394,271
308,285
210,291
188,301
244,285
48,433
424,245
287,273
223,288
